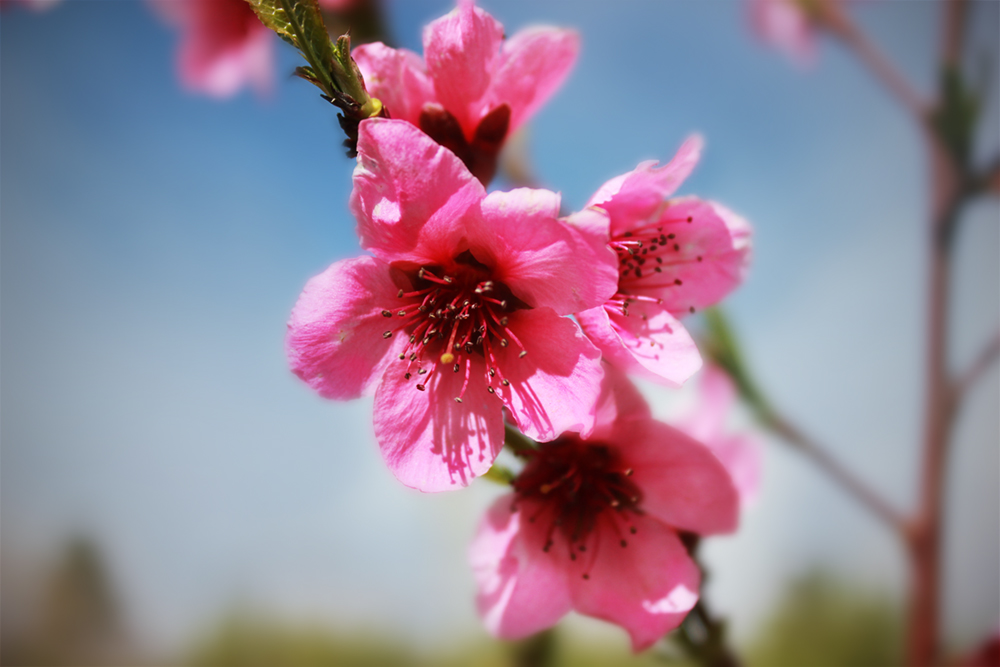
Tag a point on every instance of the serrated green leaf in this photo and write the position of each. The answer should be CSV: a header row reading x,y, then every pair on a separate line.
x,y
272,14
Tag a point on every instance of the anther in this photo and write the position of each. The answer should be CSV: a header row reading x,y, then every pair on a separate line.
x,y
691,309
632,529
503,321
408,376
623,543
421,387
505,382
422,371
456,367
386,334
677,281
628,472
400,294
402,357
386,313
504,342
586,576
523,352
458,400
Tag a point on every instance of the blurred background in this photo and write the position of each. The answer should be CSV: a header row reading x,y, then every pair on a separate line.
x,y
172,493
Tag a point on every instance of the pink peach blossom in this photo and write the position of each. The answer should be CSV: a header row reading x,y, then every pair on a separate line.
x,y
458,314
676,256
473,88
223,48
592,526
792,25
740,453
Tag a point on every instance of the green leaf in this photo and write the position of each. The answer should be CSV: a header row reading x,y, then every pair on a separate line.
x,y
300,23
272,14
723,349
956,115
517,441
499,474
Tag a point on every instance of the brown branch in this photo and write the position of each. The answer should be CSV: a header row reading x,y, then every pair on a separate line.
x,y
947,198
954,32
978,368
861,491
838,22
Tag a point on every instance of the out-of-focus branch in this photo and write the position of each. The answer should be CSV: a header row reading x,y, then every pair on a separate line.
x,y
702,636
818,455
954,32
978,368
832,17
988,179
721,346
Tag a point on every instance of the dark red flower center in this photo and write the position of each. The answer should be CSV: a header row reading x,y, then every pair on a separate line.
x,y
570,484
480,151
451,317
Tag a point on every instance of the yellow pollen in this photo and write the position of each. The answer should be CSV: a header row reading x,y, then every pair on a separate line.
x,y
447,358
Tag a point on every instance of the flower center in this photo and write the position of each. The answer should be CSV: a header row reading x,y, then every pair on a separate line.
x,y
643,253
452,316
571,484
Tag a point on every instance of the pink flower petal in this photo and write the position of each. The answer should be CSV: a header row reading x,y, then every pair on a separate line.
x,y
620,399
555,386
461,50
648,341
521,588
533,64
396,77
682,482
411,196
742,455
592,222
630,199
430,441
335,335
647,587
709,257
785,25
542,260
716,397
224,47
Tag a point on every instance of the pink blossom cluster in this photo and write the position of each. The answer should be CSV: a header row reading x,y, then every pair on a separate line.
x,y
475,311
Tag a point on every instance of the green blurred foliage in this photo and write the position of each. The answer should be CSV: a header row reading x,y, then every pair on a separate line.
x,y
77,621
825,622
243,639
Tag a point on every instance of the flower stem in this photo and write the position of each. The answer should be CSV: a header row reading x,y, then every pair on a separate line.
x,y
722,347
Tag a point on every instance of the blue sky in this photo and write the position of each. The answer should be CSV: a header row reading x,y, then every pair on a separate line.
x,y
152,243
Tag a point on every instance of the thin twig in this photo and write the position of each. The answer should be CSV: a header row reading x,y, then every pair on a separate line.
x,y
947,199
954,32
861,491
978,368
840,24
